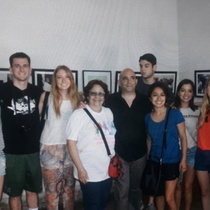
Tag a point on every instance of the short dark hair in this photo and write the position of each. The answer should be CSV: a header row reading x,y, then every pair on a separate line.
x,y
19,55
90,85
163,87
149,57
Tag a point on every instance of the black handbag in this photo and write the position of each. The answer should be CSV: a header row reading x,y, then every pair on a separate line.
x,y
115,169
42,120
151,182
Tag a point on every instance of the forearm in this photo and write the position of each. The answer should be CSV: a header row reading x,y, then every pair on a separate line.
x,y
74,155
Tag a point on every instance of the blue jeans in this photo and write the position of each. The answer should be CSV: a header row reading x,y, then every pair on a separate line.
x,y
96,194
127,189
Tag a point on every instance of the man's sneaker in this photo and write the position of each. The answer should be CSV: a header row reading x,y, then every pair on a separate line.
x,y
151,207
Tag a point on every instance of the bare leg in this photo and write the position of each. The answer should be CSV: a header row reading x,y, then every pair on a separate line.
x,y
1,185
178,195
203,179
32,199
160,202
170,187
189,177
15,203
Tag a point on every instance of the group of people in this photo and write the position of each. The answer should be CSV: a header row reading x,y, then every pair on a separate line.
x,y
71,146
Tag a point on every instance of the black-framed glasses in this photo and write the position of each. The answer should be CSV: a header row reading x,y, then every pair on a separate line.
x,y
94,94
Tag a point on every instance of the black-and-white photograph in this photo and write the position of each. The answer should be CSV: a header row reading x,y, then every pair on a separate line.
x,y
43,78
169,78
201,77
105,76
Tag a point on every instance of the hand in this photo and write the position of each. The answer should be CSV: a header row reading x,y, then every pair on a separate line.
x,y
83,176
183,165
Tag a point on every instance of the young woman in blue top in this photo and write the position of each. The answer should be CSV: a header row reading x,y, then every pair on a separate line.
x,y
174,158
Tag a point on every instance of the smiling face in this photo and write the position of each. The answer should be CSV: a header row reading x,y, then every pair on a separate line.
x,y
20,70
63,81
96,98
158,97
186,93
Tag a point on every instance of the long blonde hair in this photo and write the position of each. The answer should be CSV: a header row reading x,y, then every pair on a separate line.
x,y
72,90
205,105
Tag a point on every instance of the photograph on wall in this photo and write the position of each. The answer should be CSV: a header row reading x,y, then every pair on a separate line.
x,y
168,78
6,76
105,76
201,76
117,76
43,78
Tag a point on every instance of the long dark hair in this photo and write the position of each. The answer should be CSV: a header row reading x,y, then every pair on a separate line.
x,y
177,100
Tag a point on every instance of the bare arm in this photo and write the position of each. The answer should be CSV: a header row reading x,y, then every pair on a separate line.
x,y
148,145
41,102
82,173
183,139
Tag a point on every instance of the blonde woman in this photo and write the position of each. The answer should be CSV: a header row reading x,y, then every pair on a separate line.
x,y
57,168
202,156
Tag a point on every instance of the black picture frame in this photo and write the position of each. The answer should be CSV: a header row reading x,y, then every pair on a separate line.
x,y
201,76
103,75
43,78
6,76
117,75
168,77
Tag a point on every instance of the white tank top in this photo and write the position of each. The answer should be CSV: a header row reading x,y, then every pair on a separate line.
x,y
55,126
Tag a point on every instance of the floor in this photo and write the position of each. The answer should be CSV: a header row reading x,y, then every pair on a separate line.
x,y
196,204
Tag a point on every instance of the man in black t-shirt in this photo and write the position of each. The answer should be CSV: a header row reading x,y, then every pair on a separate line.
x,y
129,109
20,125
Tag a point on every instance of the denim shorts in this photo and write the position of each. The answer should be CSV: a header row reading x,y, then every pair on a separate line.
x,y
202,160
191,156
2,163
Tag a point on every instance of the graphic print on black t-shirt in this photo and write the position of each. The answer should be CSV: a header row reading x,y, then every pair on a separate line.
x,y
21,106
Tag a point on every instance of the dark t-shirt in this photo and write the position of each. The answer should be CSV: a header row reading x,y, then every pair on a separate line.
x,y
143,88
20,118
130,138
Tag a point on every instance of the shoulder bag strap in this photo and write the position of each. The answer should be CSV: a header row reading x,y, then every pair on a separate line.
x,y
165,132
101,131
44,105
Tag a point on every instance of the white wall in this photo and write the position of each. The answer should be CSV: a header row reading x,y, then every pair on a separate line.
x,y
194,37
90,34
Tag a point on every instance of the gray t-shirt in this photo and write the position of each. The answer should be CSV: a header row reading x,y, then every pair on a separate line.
x,y
143,88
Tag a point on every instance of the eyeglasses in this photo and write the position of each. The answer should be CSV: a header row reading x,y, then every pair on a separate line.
x,y
94,94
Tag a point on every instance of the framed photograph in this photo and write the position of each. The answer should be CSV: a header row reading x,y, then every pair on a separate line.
x,y
117,76
105,76
168,78
43,78
6,76
201,76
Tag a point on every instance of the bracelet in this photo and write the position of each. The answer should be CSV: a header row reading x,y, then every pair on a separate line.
x,y
81,170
